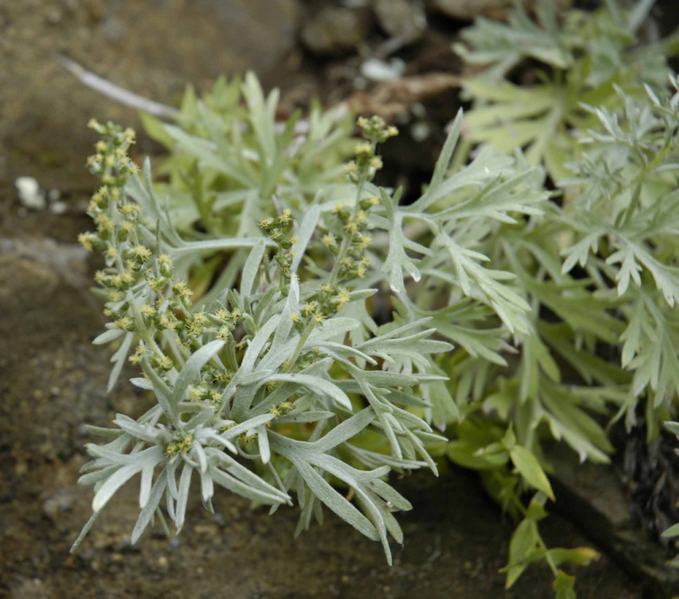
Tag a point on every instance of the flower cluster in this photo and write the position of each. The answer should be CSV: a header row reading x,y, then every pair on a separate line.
x,y
366,162
353,227
280,230
143,298
115,218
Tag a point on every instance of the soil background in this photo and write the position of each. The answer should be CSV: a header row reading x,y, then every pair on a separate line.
x,y
52,380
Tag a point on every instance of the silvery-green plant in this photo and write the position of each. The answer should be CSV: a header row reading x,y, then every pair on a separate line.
x,y
264,391
229,151
598,272
279,381
282,372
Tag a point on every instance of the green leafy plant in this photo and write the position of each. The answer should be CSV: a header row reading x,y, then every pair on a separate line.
x,y
579,59
597,267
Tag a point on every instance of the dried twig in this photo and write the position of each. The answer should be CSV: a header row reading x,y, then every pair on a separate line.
x,y
115,92
391,98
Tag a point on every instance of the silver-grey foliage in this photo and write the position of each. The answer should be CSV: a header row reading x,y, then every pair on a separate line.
x,y
282,387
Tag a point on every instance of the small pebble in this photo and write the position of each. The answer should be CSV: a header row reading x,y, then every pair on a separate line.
x,y
29,192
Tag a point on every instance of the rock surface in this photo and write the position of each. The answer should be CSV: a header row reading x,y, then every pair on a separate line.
x,y
594,497
153,48
337,30
404,19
